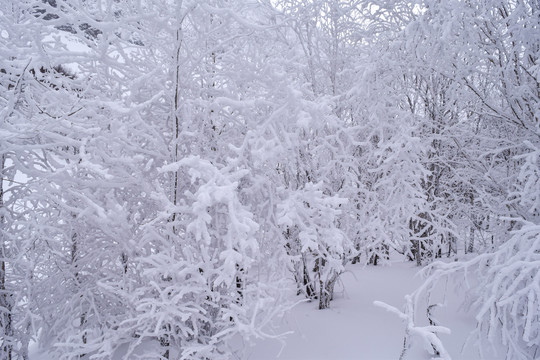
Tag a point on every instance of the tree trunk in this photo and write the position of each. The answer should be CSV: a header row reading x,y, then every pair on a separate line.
x,y
470,245
416,243
326,291
451,245
165,343
74,259
308,287
6,306
417,254
356,259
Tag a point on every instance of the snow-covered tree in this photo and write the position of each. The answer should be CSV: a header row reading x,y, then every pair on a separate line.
x,y
487,54
164,164
164,120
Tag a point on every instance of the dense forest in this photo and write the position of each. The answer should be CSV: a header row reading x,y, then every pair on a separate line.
x,y
166,164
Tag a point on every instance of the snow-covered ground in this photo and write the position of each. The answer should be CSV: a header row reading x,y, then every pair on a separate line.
x,y
354,328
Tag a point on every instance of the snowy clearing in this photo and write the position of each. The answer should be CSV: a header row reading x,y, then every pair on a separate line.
x,y
354,328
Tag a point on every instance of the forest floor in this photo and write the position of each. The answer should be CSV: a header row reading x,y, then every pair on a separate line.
x,y
355,329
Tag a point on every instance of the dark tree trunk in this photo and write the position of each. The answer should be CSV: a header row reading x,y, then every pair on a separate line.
x,y
165,344
301,272
239,280
356,259
470,245
6,306
308,284
326,291
417,252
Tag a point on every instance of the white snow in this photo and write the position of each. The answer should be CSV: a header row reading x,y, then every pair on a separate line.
x,y
354,328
